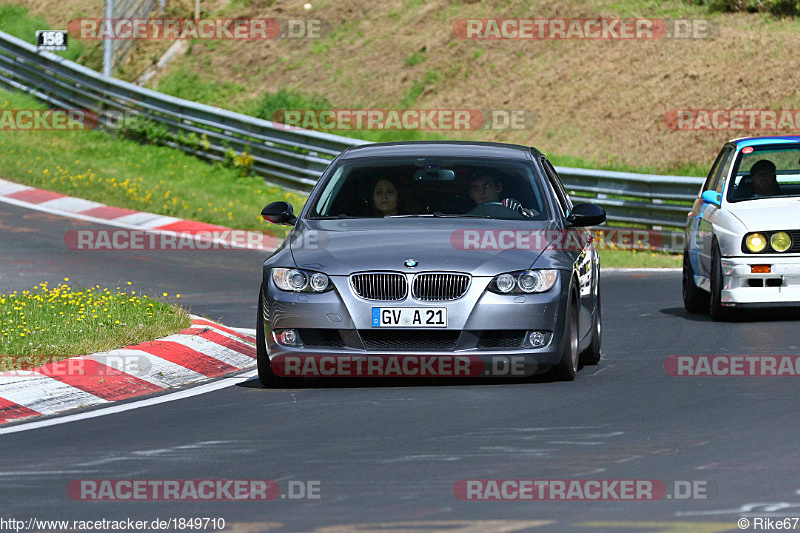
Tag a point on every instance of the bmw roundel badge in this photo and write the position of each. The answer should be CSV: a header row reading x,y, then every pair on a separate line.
x,y
410,263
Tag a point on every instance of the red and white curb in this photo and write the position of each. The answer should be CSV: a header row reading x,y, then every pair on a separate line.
x,y
205,350
68,206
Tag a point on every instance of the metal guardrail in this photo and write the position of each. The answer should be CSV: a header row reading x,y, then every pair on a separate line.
x,y
295,158
646,199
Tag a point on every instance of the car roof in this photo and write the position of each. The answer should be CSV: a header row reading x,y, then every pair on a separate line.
x,y
770,139
440,149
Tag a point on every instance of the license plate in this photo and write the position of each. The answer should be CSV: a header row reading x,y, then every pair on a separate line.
x,y
409,317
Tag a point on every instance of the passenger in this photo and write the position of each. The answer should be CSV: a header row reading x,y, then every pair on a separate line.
x,y
386,200
762,174
484,189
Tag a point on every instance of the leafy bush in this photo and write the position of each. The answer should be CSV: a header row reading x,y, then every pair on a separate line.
x,y
200,143
243,161
146,131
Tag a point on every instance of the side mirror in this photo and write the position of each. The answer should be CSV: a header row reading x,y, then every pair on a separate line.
x,y
583,215
712,197
279,213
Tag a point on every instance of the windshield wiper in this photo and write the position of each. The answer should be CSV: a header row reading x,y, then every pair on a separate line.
x,y
462,216
438,214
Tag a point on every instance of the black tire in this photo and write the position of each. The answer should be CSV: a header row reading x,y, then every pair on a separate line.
x,y
695,299
567,367
591,355
265,374
717,310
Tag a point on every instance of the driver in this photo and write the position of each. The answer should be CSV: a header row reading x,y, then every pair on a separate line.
x,y
765,183
483,189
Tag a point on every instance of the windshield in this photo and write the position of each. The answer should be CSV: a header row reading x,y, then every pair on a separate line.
x,y
403,187
765,172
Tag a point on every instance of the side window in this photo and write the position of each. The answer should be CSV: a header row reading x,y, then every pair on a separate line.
x,y
558,188
713,175
723,171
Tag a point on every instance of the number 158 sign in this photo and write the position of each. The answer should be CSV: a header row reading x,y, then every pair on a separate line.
x,y
53,40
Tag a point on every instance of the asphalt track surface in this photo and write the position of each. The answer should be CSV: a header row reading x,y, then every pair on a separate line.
x,y
387,453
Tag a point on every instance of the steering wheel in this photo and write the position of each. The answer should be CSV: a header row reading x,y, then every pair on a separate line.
x,y
495,209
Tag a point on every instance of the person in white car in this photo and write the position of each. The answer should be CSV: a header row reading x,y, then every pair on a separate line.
x,y
765,183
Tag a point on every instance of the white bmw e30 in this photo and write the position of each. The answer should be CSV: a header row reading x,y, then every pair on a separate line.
x,y
743,233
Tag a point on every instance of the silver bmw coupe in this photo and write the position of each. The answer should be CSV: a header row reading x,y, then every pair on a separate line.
x,y
405,253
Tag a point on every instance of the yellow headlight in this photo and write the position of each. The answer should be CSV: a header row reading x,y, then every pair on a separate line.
x,y
756,242
781,241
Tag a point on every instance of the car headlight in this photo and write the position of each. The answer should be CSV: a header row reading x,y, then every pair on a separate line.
x,y
296,280
756,242
780,241
505,283
524,282
319,282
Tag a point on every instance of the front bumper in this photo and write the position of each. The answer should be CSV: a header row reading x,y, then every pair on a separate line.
x,y
781,287
473,318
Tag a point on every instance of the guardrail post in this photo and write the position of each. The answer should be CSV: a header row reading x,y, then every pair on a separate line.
x,y
108,44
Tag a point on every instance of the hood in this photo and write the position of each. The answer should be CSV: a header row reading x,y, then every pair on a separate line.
x,y
341,247
767,213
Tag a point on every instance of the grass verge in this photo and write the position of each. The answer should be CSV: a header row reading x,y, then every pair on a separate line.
x,y
638,259
51,323
96,166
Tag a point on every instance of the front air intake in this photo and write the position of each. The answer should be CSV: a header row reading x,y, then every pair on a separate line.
x,y
380,286
439,287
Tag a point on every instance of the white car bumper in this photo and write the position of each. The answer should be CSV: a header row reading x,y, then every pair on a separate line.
x,y
779,287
